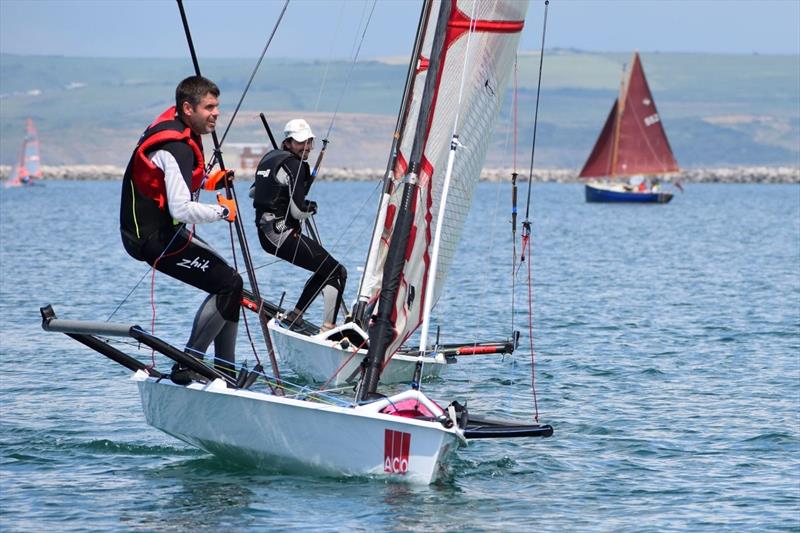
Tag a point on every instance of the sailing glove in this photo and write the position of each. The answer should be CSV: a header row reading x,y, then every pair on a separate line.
x,y
228,208
218,179
311,207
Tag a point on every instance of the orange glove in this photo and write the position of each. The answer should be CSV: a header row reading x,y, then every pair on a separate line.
x,y
228,208
217,179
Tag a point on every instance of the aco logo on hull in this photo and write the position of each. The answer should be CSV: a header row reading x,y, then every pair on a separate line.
x,y
395,451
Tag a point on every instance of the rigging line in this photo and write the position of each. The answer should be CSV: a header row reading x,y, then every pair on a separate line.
x,y
530,337
177,231
526,225
249,82
241,310
350,224
515,109
350,73
153,284
472,24
492,236
231,194
152,272
490,242
430,272
514,174
490,246
136,286
536,112
334,246
330,56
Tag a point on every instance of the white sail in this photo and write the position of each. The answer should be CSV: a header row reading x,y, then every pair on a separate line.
x,y
488,33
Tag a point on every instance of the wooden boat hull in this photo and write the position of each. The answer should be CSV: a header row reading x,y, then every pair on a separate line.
x,y
601,194
321,360
298,436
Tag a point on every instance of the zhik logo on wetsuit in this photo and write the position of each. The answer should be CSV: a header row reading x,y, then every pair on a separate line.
x,y
194,263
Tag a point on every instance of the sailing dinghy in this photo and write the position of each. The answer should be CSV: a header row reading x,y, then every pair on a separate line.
x,y
468,88
29,167
266,421
632,145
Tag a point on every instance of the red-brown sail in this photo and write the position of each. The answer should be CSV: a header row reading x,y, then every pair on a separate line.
x,y
633,140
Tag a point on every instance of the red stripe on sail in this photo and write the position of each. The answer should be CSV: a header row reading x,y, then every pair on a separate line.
x,y
457,25
460,23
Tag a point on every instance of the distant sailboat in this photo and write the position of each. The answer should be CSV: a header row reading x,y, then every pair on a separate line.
x,y
29,168
632,145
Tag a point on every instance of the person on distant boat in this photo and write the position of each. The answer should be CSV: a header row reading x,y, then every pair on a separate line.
x,y
279,193
159,199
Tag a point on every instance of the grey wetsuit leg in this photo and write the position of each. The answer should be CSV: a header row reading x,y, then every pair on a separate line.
x,y
225,345
330,296
208,323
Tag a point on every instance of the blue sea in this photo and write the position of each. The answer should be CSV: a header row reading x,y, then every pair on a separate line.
x,y
666,341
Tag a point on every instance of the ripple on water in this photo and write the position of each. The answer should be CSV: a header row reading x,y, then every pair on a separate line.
x,y
666,360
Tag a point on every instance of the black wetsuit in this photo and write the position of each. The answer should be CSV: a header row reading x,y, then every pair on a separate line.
x,y
279,197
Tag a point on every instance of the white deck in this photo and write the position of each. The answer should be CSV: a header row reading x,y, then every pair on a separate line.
x,y
321,360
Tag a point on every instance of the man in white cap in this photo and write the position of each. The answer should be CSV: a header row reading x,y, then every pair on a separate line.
x,y
282,182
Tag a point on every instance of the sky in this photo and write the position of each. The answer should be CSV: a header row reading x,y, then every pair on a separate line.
x,y
328,29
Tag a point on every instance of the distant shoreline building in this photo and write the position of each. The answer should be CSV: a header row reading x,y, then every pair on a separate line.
x,y
249,154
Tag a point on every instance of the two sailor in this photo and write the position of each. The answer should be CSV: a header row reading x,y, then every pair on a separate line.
x,y
160,207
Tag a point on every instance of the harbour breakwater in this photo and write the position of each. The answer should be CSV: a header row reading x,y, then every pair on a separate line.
x,y
756,174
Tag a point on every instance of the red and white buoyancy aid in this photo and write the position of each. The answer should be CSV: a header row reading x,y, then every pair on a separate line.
x,y
148,178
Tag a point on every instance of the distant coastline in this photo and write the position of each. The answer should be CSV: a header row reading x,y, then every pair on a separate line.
x,y
742,174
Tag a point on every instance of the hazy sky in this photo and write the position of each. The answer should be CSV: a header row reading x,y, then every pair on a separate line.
x,y
321,29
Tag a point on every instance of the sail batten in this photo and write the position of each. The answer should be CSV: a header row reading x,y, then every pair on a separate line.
x,y
633,140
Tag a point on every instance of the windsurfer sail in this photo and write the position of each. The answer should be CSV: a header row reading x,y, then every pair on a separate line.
x,y
29,167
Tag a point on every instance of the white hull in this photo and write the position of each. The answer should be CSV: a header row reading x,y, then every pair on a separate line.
x,y
300,436
321,360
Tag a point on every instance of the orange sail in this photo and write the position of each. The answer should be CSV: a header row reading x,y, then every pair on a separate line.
x,y
633,140
29,166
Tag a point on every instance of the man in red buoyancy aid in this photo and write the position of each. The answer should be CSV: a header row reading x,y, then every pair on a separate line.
x,y
159,208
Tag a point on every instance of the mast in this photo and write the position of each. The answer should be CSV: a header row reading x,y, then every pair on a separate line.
x,y
437,239
633,140
381,329
360,308
618,119
231,194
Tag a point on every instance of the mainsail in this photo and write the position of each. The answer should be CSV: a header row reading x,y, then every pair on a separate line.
x,y
473,60
29,165
632,140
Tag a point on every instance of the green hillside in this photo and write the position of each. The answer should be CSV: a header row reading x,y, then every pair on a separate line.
x,y
717,109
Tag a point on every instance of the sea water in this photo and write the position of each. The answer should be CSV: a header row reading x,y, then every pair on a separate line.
x,y
667,358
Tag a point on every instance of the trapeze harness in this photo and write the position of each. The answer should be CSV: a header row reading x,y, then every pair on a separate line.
x,y
282,180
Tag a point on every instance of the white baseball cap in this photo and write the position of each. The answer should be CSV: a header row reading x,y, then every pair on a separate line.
x,y
298,129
